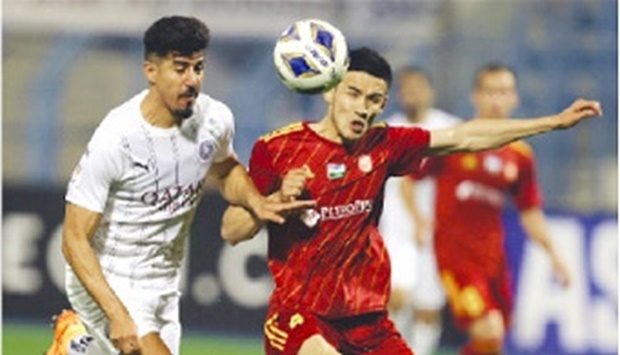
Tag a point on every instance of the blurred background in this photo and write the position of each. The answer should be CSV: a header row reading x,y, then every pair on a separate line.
x,y
66,63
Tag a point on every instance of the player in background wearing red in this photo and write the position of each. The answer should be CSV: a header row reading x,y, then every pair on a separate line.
x,y
330,266
417,296
469,237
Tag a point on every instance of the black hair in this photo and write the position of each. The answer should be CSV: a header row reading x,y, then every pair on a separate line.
x,y
185,35
369,61
416,70
492,67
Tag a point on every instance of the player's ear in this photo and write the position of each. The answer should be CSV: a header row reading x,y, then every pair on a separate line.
x,y
150,71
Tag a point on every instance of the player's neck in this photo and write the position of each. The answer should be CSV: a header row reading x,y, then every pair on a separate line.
x,y
155,113
327,130
417,117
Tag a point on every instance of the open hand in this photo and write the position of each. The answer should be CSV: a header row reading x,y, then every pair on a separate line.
x,y
577,111
560,272
284,202
275,211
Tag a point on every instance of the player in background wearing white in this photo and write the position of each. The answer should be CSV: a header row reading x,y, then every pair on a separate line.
x,y
133,196
417,294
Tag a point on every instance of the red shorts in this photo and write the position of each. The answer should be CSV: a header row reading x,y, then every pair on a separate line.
x,y
472,294
286,329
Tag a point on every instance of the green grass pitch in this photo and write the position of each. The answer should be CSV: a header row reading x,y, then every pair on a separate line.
x,y
22,339
29,339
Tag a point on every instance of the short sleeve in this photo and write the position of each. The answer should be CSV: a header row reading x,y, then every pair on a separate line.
x,y
429,166
408,146
526,192
226,140
263,174
99,167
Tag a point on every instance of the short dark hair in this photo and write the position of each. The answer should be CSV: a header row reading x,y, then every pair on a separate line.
x,y
370,61
416,70
185,35
492,67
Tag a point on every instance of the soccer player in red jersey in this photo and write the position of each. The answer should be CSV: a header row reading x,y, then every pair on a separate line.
x,y
330,266
469,237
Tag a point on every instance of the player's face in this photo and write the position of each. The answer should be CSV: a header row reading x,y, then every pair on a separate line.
x,y
355,102
178,80
415,94
496,95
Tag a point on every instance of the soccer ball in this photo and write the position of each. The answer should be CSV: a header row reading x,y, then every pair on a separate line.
x,y
311,56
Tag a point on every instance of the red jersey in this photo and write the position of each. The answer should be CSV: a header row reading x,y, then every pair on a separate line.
x,y
471,189
339,267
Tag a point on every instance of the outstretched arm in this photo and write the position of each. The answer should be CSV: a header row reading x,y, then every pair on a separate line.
x,y
535,225
482,134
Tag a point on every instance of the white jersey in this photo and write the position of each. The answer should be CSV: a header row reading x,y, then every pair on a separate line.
x,y
146,182
413,268
425,188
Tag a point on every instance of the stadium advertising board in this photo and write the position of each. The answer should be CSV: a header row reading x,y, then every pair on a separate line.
x,y
581,319
226,288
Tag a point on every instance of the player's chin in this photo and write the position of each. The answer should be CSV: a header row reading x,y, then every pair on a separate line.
x,y
184,113
353,136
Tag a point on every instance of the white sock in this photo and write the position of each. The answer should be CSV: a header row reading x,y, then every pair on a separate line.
x,y
425,337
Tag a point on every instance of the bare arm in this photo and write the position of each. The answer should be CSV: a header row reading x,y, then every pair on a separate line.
x,y
234,183
239,190
534,222
408,194
79,228
239,224
481,134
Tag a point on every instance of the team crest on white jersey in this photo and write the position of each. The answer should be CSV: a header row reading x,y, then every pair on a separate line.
x,y
364,163
77,173
205,150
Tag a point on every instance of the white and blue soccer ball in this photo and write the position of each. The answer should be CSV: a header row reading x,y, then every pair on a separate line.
x,y
311,56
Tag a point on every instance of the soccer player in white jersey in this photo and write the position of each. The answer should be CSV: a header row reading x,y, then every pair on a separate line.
x,y
417,295
133,195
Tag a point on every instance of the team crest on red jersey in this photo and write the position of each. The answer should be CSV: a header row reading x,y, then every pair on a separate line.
x,y
493,164
336,170
364,163
511,171
469,162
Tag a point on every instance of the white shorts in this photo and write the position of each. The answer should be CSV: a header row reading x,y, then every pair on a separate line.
x,y
152,311
414,269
